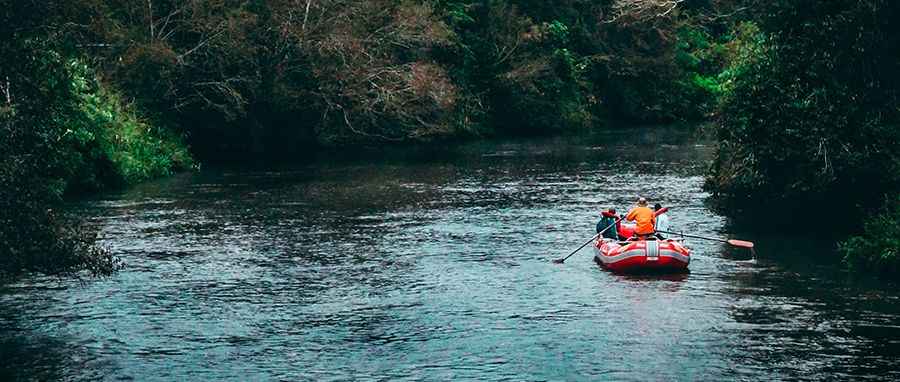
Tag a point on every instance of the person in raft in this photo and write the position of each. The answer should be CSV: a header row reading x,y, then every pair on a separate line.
x,y
662,221
608,219
644,218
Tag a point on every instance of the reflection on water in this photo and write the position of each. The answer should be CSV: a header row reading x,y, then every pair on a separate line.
x,y
435,264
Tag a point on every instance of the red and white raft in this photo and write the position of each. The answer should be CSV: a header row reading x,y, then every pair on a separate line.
x,y
642,255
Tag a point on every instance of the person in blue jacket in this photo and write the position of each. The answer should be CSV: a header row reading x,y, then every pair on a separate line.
x,y
609,218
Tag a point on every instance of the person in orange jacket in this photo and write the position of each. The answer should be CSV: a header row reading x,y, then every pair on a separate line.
x,y
644,217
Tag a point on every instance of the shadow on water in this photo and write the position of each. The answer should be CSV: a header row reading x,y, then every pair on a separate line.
x,y
800,313
28,354
30,358
34,357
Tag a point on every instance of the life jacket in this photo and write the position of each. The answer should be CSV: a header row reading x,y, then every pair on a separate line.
x,y
645,219
607,221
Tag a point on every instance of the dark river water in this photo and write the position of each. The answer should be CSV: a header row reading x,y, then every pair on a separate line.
x,y
435,264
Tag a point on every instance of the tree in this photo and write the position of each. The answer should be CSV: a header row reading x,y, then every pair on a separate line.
x,y
812,121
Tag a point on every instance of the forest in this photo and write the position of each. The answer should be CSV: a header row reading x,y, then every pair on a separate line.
x,y
801,95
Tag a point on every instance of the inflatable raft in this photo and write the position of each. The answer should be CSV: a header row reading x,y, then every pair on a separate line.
x,y
635,256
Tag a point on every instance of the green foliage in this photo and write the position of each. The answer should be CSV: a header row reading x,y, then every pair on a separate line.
x,y
103,141
261,77
548,97
558,33
877,248
743,47
62,130
707,64
811,117
811,114
708,85
521,70
650,67
34,238
112,132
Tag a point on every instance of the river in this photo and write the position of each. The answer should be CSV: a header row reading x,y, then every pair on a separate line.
x,y
434,263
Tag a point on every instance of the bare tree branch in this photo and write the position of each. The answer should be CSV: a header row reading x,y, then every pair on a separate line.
x,y
162,30
218,31
306,15
642,10
150,19
7,91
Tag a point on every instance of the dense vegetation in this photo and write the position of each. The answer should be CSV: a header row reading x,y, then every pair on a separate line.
x,y
64,131
877,248
270,76
810,124
103,93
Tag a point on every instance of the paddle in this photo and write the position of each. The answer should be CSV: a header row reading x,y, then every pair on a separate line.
x,y
563,260
614,224
736,243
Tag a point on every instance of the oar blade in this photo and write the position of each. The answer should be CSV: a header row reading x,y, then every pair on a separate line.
x,y
741,243
559,261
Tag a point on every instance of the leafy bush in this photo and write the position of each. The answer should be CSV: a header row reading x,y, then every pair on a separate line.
x,y
63,131
811,118
877,248
34,238
523,71
743,46
114,132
